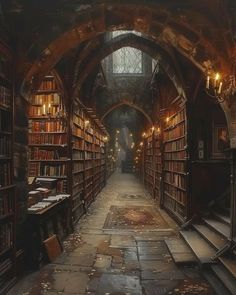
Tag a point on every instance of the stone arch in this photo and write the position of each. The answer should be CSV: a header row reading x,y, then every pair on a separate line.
x,y
155,20
157,52
127,103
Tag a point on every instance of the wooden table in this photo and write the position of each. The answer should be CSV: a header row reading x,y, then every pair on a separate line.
x,y
55,219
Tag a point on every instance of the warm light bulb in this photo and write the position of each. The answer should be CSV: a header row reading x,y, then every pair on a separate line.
x,y
217,77
158,129
144,134
153,128
141,143
167,119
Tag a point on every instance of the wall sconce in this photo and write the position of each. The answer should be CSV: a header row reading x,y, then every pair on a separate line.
x,y
221,89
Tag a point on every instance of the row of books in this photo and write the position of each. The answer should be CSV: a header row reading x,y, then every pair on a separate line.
x,y
78,200
41,99
78,166
181,155
88,165
78,121
5,236
88,155
5,174
39,111
78,188
99,149
78,155
175,145
88,137
177,118
78,132
61,186
176,194
44,169
36,153
44,139
5,146
88,173
78,143
78,178
6,204
88,146
158,166
78,111
175,179
5,96
46,126
175,132
175,166
48,84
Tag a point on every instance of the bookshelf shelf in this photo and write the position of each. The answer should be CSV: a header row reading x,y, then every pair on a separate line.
x,y
175,159
7,189
48,134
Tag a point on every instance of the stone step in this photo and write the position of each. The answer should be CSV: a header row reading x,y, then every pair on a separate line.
x,y
215,282
230,265
180,252
223,217
225,277
218,226
216,240
202,250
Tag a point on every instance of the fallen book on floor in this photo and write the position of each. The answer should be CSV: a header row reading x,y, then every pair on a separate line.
x,y
53,248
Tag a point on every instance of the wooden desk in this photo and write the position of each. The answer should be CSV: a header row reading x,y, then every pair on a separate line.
x,y
54,219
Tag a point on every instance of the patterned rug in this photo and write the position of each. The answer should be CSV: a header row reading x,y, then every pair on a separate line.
x,y
131,197
134,217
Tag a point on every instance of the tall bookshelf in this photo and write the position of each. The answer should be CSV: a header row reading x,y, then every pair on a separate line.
x,y
99,162
175,164
48,133
88,166
149,177
78,159
158,165
88,159
7,189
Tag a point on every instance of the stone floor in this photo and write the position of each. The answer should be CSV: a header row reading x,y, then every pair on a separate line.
x,y
128,259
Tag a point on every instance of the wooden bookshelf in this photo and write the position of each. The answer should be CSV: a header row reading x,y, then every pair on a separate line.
x,y
48,133
7,189
88,159
175,164
149,176
78,163
158,165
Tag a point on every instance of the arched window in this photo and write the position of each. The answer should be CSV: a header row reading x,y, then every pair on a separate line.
x,y
127,60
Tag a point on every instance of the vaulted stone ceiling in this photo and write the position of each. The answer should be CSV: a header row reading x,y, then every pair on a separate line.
x,y
44,32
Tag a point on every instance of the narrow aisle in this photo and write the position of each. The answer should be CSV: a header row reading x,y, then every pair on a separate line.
x,y
117,248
